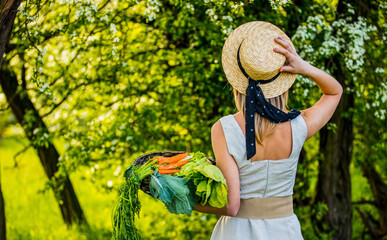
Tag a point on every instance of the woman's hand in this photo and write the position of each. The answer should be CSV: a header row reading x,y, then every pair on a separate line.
x,y
295,64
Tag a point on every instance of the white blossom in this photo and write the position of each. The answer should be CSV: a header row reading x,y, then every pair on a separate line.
x,y
44,87
110,183
105,18
189,7
379,70
113,28
227,30
153,7
275,4
227,18
345,37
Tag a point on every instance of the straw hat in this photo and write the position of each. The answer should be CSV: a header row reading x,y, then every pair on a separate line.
x,y
257,58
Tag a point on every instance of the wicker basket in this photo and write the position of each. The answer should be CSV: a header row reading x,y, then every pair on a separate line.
x,y
144,158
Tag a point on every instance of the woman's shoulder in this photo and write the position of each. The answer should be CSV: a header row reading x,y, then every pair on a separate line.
x,y
224,120
217,126
226,117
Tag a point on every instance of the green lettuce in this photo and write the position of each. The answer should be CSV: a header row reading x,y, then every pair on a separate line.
x,y
212,172
210,183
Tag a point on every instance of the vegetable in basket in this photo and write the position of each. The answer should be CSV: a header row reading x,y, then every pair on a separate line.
x,y
174,192
209,180
179,182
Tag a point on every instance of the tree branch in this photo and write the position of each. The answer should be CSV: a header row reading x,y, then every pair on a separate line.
x,y
365,217
69,92
15,163
364,202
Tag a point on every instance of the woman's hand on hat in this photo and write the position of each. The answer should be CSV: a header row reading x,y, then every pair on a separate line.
x,y
295,64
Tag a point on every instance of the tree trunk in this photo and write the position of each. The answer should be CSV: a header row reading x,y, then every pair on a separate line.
x,y
8,10
21,106
379,191
334,181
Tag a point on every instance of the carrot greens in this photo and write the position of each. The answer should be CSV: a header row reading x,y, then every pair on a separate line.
x,y
128,204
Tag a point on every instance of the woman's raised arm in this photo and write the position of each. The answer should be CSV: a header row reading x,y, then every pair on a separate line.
x,y
320,113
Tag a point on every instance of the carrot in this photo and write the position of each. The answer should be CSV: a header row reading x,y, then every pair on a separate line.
x,y
173,165
162,160
173,159
168,171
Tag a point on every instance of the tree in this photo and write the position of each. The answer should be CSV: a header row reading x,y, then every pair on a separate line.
x,y
26,114
339,42
8,13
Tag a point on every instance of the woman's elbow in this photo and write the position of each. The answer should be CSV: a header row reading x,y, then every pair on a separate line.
x,y
340,90
232,209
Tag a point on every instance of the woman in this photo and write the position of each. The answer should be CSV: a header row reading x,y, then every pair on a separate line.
x,y
257,148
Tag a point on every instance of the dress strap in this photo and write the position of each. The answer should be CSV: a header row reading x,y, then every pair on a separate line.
x,y
299,133
235,138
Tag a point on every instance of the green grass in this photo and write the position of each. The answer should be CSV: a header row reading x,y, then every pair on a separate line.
x,y
33,214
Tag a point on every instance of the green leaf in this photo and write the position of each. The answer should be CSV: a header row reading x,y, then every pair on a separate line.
x,y
212,172
218,197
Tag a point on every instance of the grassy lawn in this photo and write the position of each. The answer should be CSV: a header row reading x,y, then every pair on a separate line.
x,y
34,214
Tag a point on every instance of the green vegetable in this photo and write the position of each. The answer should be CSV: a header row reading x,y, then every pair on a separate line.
x,y
197,180
210,183
188,168
125,210
212,172
139,171
159,189
218,198
128,205
177,193
201,188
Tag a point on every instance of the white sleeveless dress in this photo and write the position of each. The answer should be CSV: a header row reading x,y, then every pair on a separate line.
x,y
261,179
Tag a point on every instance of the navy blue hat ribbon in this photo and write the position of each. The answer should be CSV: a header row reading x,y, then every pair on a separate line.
x,y
256,102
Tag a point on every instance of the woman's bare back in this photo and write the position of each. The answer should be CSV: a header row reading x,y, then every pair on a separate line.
x,y
276,146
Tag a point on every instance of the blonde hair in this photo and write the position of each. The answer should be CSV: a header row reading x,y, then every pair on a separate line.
x,y
263,127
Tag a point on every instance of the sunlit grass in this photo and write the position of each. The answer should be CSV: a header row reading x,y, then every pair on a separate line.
x,y
33,214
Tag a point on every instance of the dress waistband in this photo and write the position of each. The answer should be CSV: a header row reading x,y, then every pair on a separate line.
x,y
266,208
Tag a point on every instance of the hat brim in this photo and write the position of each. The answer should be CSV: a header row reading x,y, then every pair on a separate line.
x,y
230,65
